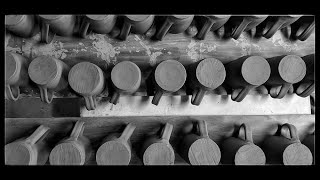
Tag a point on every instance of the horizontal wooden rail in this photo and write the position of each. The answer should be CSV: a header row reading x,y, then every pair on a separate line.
x,y
103,50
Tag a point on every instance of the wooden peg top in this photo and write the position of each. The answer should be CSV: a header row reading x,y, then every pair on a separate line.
x,y
256,70
159,154
18,154
137,18
51,17
11,65
297,154
211,73
97,17
126,76
43,70
292,68
170,75
250,154
11,20
84,77
67,153
204,151
113,153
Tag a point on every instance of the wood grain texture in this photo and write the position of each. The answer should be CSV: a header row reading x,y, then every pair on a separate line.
x,y
43,70
210,73
292,69
170,75
17,154
66,154
113,153
250,154
204,152
145,52
159,153
255,70
297,154
84,78
219,128
126,76
286,68
71,152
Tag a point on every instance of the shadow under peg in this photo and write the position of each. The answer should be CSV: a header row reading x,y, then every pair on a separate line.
x,y
286,32
66,107
184,100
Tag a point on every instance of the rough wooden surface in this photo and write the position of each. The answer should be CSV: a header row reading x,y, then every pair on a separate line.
x,y
100,48
66,154
17,153
113,153
204,152
86,79
219,127
297,154
158,153
250,154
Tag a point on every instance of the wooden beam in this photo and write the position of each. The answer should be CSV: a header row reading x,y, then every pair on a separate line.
x,y
103,50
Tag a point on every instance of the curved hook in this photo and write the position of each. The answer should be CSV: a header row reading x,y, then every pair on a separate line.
x,y
13,93
245,133
292,129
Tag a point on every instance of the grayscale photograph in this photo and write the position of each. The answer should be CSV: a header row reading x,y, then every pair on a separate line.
x,y
159,90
